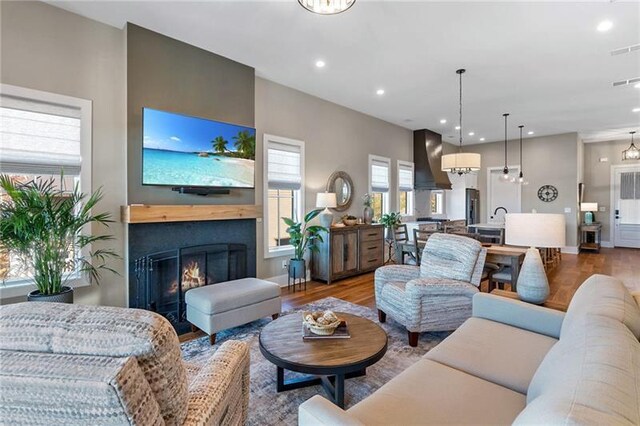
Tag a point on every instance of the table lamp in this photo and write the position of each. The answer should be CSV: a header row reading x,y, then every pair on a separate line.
x,y
326,200
535,230
588,208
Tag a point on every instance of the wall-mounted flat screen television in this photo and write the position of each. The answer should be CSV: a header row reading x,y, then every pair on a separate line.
x,y
185,151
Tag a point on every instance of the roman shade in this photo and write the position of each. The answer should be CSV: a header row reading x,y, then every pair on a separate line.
x,y
405,177
379,175
284,168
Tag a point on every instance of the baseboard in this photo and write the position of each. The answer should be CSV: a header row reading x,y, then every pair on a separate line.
x,y
570,250
607,244
282,280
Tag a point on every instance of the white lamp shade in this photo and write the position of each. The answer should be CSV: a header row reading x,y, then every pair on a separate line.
x,y
460,161
535,229
326,199
589,207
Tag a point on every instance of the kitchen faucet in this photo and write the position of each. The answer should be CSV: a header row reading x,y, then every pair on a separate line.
x,y
495,212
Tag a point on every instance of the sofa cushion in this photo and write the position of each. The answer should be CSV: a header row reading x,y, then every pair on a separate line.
x,y
62,328
449,256
504,355
431,393
593,373
230,295
605,296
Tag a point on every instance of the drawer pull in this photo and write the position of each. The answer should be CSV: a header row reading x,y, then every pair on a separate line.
x,y
372,235
373,248
373,260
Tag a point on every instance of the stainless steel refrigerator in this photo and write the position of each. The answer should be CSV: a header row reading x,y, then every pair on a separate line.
x,y
472,206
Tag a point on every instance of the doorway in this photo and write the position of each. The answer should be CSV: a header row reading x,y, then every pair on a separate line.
x,y
625,211
502,193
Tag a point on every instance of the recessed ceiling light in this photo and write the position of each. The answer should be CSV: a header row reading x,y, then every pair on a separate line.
x,y
320,63
471,133
443,121
605,26
457,127
380,92
529,133
637,86
636,110
481,139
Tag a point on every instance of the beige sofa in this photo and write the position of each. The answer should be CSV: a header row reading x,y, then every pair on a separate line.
x,y
66,364
518,363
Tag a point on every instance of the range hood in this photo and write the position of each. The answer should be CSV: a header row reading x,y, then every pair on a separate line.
x,y
427,156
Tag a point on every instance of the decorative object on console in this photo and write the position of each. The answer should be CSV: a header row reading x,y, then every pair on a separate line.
x,y
631,153
588,209
367,214
302,237
349,220
460,162
341,184
326,7
535,230
326,200
505,169
43,226
547,193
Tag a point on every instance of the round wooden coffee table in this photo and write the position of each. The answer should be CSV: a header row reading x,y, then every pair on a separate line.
x,y
331,360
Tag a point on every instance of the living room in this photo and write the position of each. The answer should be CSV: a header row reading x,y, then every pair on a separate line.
x,y
327,93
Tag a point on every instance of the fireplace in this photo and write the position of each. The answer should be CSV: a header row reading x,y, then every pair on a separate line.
x,y
167,259
163,278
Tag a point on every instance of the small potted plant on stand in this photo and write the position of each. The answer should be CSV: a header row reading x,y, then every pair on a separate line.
x,y
391,222
302,237
43,227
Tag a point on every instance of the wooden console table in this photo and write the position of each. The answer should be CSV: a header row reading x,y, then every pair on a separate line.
x,y
590,236
507,255
548,304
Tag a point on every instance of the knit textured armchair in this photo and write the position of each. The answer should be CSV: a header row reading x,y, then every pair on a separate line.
x,y
435,296
74,364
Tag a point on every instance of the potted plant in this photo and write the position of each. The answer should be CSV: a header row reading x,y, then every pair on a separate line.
x,y
43,227
390,222
367,215
302,237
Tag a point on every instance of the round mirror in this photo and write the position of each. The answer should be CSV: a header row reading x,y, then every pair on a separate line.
x,y
342,185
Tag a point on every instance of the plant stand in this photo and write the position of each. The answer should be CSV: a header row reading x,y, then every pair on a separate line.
x,y
292,281
390,249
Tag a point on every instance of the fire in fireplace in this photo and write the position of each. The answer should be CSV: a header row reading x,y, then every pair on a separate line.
x,y
163,278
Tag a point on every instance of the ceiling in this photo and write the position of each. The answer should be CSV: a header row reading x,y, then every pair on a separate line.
x,y
543,62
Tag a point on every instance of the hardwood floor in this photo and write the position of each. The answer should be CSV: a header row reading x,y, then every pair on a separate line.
x,y
564,280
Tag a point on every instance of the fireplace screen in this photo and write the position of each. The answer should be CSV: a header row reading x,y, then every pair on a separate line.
x,y
163,278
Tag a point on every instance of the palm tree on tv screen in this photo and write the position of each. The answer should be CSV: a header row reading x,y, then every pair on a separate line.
x,y
219,145
245,143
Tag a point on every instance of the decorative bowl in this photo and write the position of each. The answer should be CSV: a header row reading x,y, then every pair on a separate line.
x,y
349,222
322,323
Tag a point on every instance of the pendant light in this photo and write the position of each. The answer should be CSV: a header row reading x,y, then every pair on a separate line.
x,y
520,179
326,7
631,153
460,162
505,170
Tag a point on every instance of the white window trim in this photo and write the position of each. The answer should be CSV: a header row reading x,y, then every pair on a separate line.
x,y
385,197
266,138
411,198
444,204
19,288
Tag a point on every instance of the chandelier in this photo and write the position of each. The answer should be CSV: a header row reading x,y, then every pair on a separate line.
x,y
631,153
460,162
326,7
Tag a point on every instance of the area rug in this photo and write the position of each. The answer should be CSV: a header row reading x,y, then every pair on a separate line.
x,y
267,407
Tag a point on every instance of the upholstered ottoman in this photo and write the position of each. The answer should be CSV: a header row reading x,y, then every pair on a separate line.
x,y
216,307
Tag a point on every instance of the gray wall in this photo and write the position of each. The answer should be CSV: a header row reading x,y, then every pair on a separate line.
x,y
336,138
170,75
549,160
597,177
46,48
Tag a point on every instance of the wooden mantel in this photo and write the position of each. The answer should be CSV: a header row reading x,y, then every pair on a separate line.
x,y
144,213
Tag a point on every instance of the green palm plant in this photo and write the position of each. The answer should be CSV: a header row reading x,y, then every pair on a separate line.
x,y
302,236
219,144
43,226
245,143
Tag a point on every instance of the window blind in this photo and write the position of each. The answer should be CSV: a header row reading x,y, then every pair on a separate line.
x,y
38,137
405,177
284,167
630,186
379,176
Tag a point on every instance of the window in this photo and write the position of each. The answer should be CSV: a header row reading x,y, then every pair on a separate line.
x,y
46,136
379,184
283,189
405,188
437,202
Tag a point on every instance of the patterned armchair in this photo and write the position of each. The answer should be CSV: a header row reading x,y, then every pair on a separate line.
x,y
435,296
74,364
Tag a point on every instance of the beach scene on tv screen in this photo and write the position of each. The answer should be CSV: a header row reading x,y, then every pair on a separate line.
x,y
189,151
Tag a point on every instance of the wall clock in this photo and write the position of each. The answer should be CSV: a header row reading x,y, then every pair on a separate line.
x,y
547,193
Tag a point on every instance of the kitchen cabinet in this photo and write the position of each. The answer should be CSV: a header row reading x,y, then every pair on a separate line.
x,y
348,251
